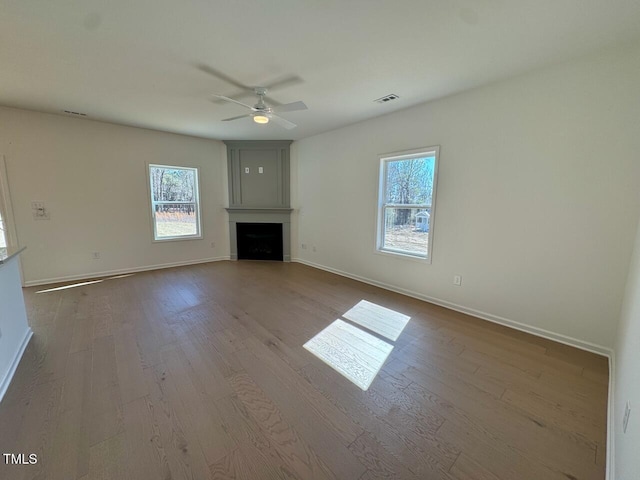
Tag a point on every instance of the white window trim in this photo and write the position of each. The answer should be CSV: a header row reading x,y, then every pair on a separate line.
x,y
198,208
382,181
5,205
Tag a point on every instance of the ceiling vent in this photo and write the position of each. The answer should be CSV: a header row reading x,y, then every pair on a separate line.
x,y
77,114
387,98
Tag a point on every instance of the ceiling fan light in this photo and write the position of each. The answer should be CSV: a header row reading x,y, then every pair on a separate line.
x,y
261,119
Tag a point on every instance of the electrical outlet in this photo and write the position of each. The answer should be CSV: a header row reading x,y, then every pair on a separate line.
x,y
304,246
457,280
213,244
95,255
625,419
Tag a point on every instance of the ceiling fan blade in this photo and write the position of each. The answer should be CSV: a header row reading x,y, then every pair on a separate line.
x,y
227,99
269,100
235,118
235,97
283,82
291,107
223,77
283,123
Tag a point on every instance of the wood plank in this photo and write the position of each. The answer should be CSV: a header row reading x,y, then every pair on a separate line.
x,y
503,428
207,377
37,433
70,451
192,406
175,432
147,454
104,415
417,448
233,466
312,427
591,428
302,459
263,459
303,393
129,365
108,459
466,468
381,464
500,458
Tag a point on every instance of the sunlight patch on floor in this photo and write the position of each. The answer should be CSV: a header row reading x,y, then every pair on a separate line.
x,y
82,284
376,318
65,287
355,354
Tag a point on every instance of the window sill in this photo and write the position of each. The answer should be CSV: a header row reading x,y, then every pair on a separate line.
x,y
176,239
403,256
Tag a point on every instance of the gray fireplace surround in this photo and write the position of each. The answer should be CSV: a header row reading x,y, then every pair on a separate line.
x,y
259,187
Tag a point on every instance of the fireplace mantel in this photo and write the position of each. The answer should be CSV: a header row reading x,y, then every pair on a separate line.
x,y
260,210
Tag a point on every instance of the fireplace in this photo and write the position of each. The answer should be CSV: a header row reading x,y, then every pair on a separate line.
x,y
259,207
259,241
256,217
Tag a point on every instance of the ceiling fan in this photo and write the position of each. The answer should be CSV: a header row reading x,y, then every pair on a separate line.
x,y
263,113
249,90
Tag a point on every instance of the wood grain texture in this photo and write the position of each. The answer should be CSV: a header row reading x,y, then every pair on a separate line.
x,y
357,355
200,373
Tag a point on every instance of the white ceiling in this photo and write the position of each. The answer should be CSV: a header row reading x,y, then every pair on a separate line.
x,y
134,62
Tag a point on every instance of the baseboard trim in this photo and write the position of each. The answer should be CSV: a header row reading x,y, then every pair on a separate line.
x,y
4,384
539,332
122,271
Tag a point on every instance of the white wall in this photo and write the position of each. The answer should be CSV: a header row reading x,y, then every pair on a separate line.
x,y
627,376
92,178
536,204
14,330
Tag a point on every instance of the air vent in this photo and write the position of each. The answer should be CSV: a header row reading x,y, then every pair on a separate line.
x,y
77,114
387,98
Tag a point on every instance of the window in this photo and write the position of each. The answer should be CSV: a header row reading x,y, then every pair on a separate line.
x,y
5,207
407,202
175,204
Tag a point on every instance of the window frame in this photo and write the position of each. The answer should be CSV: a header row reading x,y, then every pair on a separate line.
x,y
385,159
152,203
10,233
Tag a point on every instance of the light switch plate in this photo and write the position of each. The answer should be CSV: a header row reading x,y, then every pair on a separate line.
x,y
39,211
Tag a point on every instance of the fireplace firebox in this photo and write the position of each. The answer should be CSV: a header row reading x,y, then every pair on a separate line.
x,y
259,241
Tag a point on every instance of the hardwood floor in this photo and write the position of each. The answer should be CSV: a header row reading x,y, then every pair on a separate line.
x,y
199,373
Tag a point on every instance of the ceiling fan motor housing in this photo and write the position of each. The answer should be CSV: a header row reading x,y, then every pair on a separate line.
x,y
262,113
